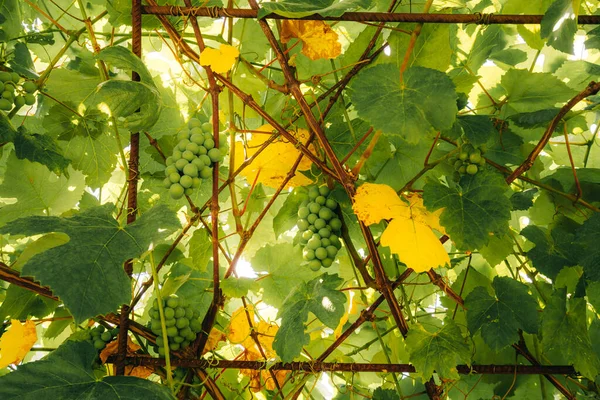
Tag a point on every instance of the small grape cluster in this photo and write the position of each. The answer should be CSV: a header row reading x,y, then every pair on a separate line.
x,y
192,159
319,228
182,323
14,93
469,160
100,337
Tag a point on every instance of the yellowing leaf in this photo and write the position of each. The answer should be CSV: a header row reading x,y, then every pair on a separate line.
x,y
239,330
16,342
415,243
221,60
374,202
420,213
319,40
272,165
214,338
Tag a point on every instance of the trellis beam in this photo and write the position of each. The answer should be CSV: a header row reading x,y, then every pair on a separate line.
x,y
476,18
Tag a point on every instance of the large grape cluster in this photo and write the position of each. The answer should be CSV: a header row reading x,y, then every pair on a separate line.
x,y
192,159
469,160
319,228
14,93
100,337
181,320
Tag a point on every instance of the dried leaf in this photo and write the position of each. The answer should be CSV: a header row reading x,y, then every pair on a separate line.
x,y
221,60
273,164
319,40
214,338
112,348
16,342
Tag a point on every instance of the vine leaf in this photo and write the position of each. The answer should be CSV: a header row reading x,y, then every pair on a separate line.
x,y
37,190
559,24
440,351
473,209
67,373
587,237
238,287
16,342
318,39
220,61
287,216
564,330
501,316
87,272
303,8
125,98
318,296
425,100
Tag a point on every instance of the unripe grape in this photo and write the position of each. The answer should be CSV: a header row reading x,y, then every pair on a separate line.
x,y
196,325
314,208
171,169
325,213
303,212
182,323
106,336
335,224
179,312
186,181
302,224
325,242
306,235
29,86
308,254
190,170
188,155
331,204
19,101
472,169
312,218
215,155
167,183
172,302
194,122
313,243
463,156
185,332
7,94
99,344
313,193
205,160
5,105
176,155
482,162
182,135
183,144
327,262
324,232
161,351
315,265
197,138
321,253
176,191
172,331
207,127
206,173
324,191
475,157
174,177
15,77
331,251
209,143
188,191
181,163
193,147
178,339
5,76
202,150
462,170
170,322
198,163
197,182
321,200
320,223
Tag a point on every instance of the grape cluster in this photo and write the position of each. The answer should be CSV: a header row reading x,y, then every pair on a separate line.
x,y
99,336
191,160
319,228
182,322
14,93
469,159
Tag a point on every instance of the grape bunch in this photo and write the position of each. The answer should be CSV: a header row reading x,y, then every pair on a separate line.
x,y
319,228
14,93
182,322
100,337
192,159
469,159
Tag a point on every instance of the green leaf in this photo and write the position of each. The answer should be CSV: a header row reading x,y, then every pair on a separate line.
x,y
523,200
238,287
303,8
87,272
11,26
559,25
440,351
534,119
385,394
192,285
123,58
578,74
22,62
501,316
21,303
530,91
478,129
287,216
282,264
37,191
67,374
553,250
473,210
200,246
564,330
505,149
587,237
425,100
431,50
318,296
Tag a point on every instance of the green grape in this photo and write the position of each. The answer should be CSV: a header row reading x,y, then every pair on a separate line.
x,y
197,183
194,122
197,138
5,105
106,336
170,322
99,344
183,144
325,213
462,170
483,148
196,325
188,155
202,150
313,193
324,191
320,223
15,77
308,254
169,161
166,183
207,127
181,163
302,224
457,164
29,86
186,344
331,204
191,170
172,302
155,326
8,95
29,99
335,224
303,212
327,262
321,253
331,251
209,144
313,243
312,228
160,341
186,181
482,162
325,242
179,312
185,332
182,323
174,177
19,101
206,173
321,200
336,243
475,157
467,147
5,76
192,336
161,351
324,232
171,169
472,169
176,155
176,191
188,191
314,208
205,160
315,265
189,313
193,147
215,155
463,156
316,236
312,218
172,331
306,235
178,339
198,163
1,87
181,136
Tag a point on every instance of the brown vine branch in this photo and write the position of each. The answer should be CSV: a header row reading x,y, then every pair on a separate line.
x,y
591,89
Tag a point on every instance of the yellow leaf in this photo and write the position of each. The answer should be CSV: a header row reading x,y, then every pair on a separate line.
x,y
16,342
272,165
352,309
221,60
319,40
239,330
214,338
420,213
415,243
374,202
